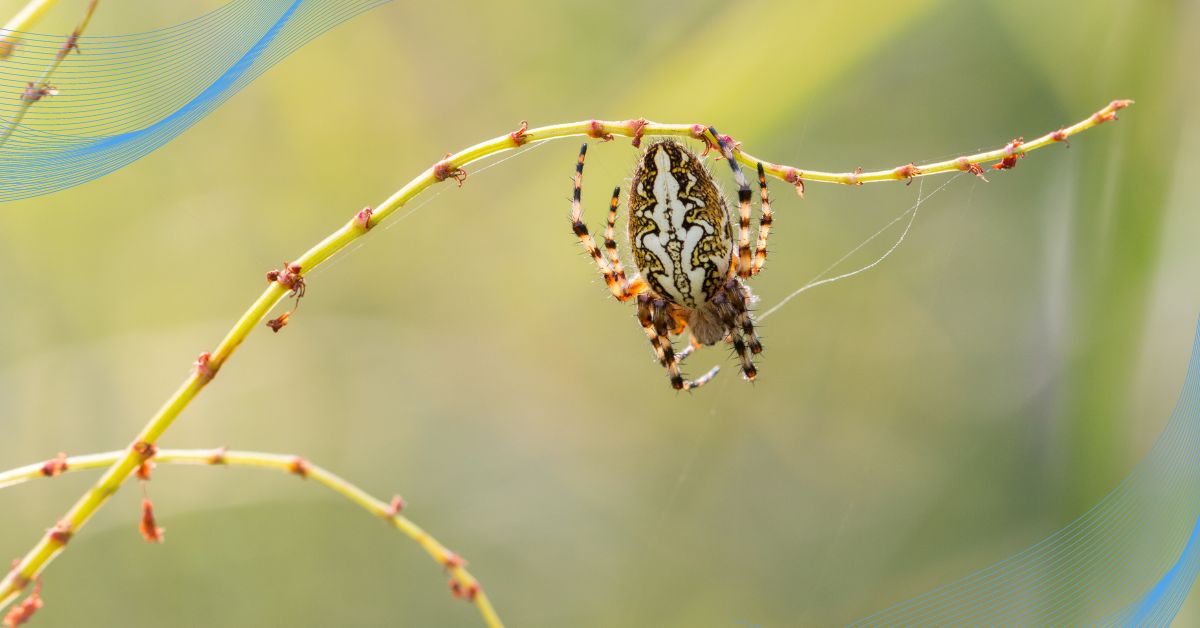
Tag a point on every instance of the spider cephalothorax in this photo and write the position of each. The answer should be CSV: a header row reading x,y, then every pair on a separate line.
x,y
690,264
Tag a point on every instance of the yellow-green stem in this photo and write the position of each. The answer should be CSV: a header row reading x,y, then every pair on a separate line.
x,y
450,168
31,94
288,464
21,22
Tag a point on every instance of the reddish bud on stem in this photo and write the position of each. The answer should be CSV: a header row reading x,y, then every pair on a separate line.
x,y
637,128
520,137
24,611
217,456
203,369
796,178
145,451
1110,112
148,526
289,277
443,170
1011,155
299,466
598,131
61,532
965,165
452,560
396,506
362,219
55,466
34,93
853,178
279,322
908,171
468,592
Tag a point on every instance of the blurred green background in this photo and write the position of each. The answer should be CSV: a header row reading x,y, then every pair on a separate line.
x,y
993,378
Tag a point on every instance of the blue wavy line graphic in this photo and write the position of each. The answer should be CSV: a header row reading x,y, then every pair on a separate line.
x,y
1128,561
127,95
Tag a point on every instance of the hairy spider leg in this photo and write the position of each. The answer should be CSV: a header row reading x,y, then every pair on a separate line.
x,y
610,244
743,245
764,223
655,318
620,287
740,295
731,306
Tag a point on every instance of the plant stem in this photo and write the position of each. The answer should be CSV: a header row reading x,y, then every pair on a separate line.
x,y
450,167
34,92
22,21
288,464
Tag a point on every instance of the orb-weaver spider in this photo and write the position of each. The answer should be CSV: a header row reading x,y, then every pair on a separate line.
x,y
690,267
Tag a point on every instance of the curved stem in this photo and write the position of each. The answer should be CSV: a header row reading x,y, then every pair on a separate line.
x,y
21,22
288,464
451,167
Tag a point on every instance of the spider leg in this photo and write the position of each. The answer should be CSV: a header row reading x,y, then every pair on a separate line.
x,y
741,302
692,345
610,244
743,244
731,305
764,223
656,322
620,287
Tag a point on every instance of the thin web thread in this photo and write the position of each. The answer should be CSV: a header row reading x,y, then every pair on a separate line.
x,y
820,279
425,201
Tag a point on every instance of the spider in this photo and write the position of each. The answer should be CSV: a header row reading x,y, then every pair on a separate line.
x,y
691,270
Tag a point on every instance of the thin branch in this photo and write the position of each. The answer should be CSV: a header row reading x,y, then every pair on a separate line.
x,y
283,282
42,88
21,22
467,585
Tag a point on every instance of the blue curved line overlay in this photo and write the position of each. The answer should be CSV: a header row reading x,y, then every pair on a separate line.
x,y
127,95
1128,561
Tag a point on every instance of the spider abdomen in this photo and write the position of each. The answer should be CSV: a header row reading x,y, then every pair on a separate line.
x,y
679,227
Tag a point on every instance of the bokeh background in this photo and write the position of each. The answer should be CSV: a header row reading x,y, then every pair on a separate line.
x,y
987,383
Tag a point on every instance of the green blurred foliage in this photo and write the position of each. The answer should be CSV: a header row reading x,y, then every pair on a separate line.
x,y
959,402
